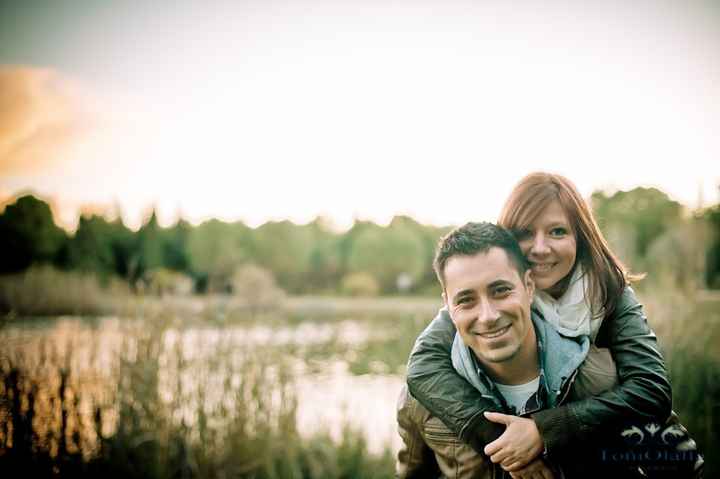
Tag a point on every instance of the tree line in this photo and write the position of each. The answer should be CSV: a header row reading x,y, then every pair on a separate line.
x,y
650,231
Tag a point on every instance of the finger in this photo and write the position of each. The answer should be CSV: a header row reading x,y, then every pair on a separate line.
x,y
514,466
494,447
498,417
547,473
499,457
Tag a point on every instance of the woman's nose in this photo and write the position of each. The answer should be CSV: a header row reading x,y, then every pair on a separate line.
x,y
539,245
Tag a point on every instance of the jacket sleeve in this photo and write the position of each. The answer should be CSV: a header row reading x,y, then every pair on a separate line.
x,y
643,391
433,381
415,458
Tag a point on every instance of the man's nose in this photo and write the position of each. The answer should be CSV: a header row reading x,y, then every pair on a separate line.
x,y
487,312
539,245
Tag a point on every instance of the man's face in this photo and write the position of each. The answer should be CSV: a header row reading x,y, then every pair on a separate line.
x,y
489,303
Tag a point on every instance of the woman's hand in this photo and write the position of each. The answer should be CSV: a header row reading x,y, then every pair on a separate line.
x,y
518,445
537,469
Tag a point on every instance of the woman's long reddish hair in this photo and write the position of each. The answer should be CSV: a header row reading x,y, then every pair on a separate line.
x,y
607,276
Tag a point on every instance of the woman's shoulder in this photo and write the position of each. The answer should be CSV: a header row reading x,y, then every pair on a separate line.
x,y
627,301
628,309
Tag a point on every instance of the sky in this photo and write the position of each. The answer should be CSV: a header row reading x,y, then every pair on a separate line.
x,y
267,110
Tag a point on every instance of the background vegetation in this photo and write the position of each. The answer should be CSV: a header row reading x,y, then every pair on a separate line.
x,y
651,232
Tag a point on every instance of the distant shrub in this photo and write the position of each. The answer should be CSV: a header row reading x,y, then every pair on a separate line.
x,y
360,284
256,287
161,281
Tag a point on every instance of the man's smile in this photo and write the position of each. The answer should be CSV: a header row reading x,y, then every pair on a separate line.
x,y
496,333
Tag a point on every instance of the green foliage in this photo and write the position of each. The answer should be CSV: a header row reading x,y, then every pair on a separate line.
x,y
644,212
215,249
645,228
28,235
388,253
285,249
101,247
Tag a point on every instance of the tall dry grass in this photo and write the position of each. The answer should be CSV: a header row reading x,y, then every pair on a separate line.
x,y
156,407
688,327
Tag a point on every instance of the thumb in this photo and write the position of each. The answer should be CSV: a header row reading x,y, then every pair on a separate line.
x,y
498,417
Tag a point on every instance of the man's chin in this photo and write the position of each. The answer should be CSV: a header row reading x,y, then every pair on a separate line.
x,y
499,355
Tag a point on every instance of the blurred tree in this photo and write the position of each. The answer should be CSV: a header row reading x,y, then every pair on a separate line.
x,y
325,262
645,213
285,249
175,253
148,251
100,246
215,249
387,253
28,235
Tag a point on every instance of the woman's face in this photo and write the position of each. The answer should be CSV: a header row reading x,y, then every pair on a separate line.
x,y
549,244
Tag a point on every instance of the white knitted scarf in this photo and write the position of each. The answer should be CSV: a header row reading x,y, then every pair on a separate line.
x,y
570,314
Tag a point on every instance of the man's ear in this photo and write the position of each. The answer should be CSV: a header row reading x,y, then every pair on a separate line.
x,y
529,283
444,297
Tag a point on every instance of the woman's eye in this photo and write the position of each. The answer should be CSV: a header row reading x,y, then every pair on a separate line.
x,y
558,231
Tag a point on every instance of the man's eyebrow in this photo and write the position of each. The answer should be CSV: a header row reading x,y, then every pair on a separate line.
x,y
500,282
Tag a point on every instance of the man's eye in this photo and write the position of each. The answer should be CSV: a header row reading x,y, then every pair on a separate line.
x,y
463,301
502,290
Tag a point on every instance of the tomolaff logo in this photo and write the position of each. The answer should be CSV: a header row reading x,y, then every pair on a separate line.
x,y
659,451
654,434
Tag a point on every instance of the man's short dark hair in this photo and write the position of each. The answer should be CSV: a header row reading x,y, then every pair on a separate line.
x,y
473,238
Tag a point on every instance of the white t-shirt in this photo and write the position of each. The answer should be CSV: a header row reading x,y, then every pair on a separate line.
x,y
517,396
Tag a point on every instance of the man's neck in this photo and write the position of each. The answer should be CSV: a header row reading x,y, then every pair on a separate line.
x,y
521,368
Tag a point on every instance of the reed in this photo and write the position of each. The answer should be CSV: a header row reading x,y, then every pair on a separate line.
x,y
161,409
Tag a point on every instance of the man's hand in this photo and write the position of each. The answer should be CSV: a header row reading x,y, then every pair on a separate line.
x,y
518,445
537,469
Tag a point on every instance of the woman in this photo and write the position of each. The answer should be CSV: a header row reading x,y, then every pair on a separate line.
x,y
582,289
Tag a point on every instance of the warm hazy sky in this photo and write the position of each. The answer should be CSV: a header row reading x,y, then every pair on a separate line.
x,y
268,109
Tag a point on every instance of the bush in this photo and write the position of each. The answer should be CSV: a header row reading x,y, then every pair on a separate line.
x,y
360,284
256,287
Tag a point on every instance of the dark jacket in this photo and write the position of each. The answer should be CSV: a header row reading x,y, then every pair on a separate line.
x,y
642,394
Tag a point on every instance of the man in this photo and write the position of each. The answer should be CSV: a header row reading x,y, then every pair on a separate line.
x,y
502,348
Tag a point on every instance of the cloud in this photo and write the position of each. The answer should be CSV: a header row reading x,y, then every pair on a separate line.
x,y
43,114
